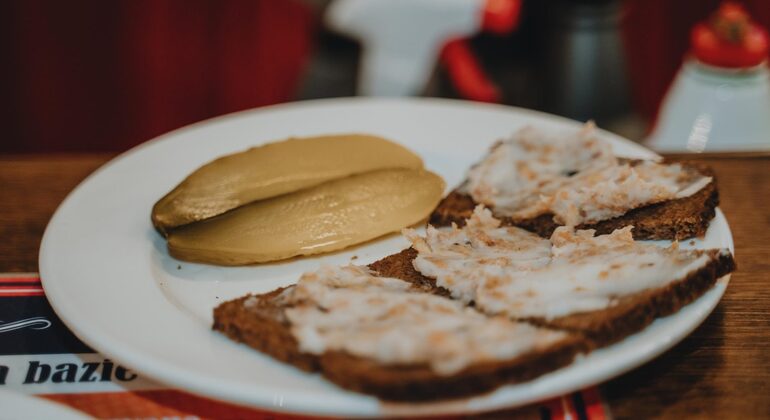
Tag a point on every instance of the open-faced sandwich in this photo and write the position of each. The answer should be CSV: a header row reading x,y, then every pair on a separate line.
x,y
540,180
392,338
468,309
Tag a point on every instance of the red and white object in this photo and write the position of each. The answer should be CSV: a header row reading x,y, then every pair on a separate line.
x,y
720,100
403,39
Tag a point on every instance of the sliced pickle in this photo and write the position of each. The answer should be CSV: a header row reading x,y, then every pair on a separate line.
x,y
327,217
274,169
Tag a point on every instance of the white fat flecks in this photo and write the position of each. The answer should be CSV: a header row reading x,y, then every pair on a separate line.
x,y
573,272
460,258
348,309
574,176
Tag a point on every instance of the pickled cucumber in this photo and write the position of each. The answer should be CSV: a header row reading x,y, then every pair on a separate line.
x,y
274,169
327,217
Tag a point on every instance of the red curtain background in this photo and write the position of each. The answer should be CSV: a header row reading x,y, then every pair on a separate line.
x,y
94,75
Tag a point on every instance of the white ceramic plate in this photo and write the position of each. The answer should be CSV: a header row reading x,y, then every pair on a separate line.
x,y
16,406
109,277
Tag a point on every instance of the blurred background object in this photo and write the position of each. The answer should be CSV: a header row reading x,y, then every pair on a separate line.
x,y
402,41
584,61
720,99
89,75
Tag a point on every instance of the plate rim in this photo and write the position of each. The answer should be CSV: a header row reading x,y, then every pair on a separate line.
x,y
181,378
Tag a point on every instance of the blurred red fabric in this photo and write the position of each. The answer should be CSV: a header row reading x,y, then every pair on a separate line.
x,y
93,75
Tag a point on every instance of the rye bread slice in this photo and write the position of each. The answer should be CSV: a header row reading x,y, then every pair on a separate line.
x,y
674,220
265,327
629,315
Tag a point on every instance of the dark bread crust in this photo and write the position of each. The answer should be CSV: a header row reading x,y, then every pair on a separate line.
x,y
629,315
420,383
675,219
264,327
632,313
399,265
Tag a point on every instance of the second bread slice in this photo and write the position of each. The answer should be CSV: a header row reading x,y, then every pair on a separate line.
x,y
386,351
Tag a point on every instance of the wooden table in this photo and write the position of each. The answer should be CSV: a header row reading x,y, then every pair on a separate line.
x,y
722,370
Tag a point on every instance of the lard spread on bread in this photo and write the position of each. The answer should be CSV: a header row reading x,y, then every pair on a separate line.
x,y
348,309
575,177
509,271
